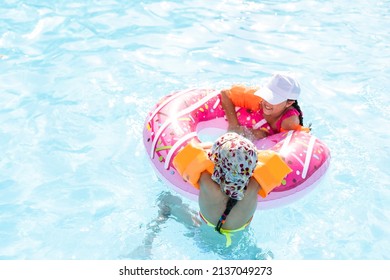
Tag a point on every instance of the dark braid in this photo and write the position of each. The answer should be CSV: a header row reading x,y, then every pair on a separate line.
x,y
296,106
229,205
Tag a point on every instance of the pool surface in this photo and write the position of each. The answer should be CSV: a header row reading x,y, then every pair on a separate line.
x,y
79,77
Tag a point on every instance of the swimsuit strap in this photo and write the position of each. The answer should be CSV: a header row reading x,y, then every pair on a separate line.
x,y
228,233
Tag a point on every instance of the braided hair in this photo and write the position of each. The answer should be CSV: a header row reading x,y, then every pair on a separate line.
x,y
229,205
296,106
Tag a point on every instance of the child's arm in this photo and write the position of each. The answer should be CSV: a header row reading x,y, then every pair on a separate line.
x,y
243,97
253,134
290,123
230,110
258,133
240,96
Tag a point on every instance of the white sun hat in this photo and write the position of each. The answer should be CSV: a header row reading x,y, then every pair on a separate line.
x,y
279,88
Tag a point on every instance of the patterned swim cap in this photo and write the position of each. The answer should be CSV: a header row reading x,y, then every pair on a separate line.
x,y
235,158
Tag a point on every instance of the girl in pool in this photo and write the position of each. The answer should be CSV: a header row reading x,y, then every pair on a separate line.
x,y
229,176
277,101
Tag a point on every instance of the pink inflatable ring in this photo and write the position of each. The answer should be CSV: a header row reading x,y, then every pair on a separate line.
x,y
197,113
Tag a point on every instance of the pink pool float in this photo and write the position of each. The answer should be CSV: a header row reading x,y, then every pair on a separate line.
x,y
197,114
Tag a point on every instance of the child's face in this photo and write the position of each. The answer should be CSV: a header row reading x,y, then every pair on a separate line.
x,y
275,110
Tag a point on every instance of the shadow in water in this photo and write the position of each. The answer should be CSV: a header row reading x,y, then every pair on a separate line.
x,y
171,206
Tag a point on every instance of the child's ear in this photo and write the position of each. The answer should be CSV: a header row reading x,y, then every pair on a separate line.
x,y
290,103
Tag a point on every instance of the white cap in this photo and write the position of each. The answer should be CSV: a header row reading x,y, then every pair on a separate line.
x,y
279,88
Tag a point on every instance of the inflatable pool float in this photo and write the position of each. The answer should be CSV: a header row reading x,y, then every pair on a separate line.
x,y
197,114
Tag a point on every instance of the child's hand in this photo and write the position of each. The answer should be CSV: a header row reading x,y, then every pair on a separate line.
x,y
237,129
203,145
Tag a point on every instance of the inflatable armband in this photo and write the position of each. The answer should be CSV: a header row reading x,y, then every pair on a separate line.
x,y
270,171
242,96
190,162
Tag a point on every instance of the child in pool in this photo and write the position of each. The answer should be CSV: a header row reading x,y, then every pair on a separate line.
x,y
277,101
230,174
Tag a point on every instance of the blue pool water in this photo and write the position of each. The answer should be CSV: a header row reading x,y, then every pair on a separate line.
x,y
79,77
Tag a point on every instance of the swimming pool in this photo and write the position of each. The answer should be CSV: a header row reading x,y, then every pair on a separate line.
x,y
76,83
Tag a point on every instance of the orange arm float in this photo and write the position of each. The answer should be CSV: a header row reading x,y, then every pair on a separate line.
x,y
190,162
242,96
270,171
